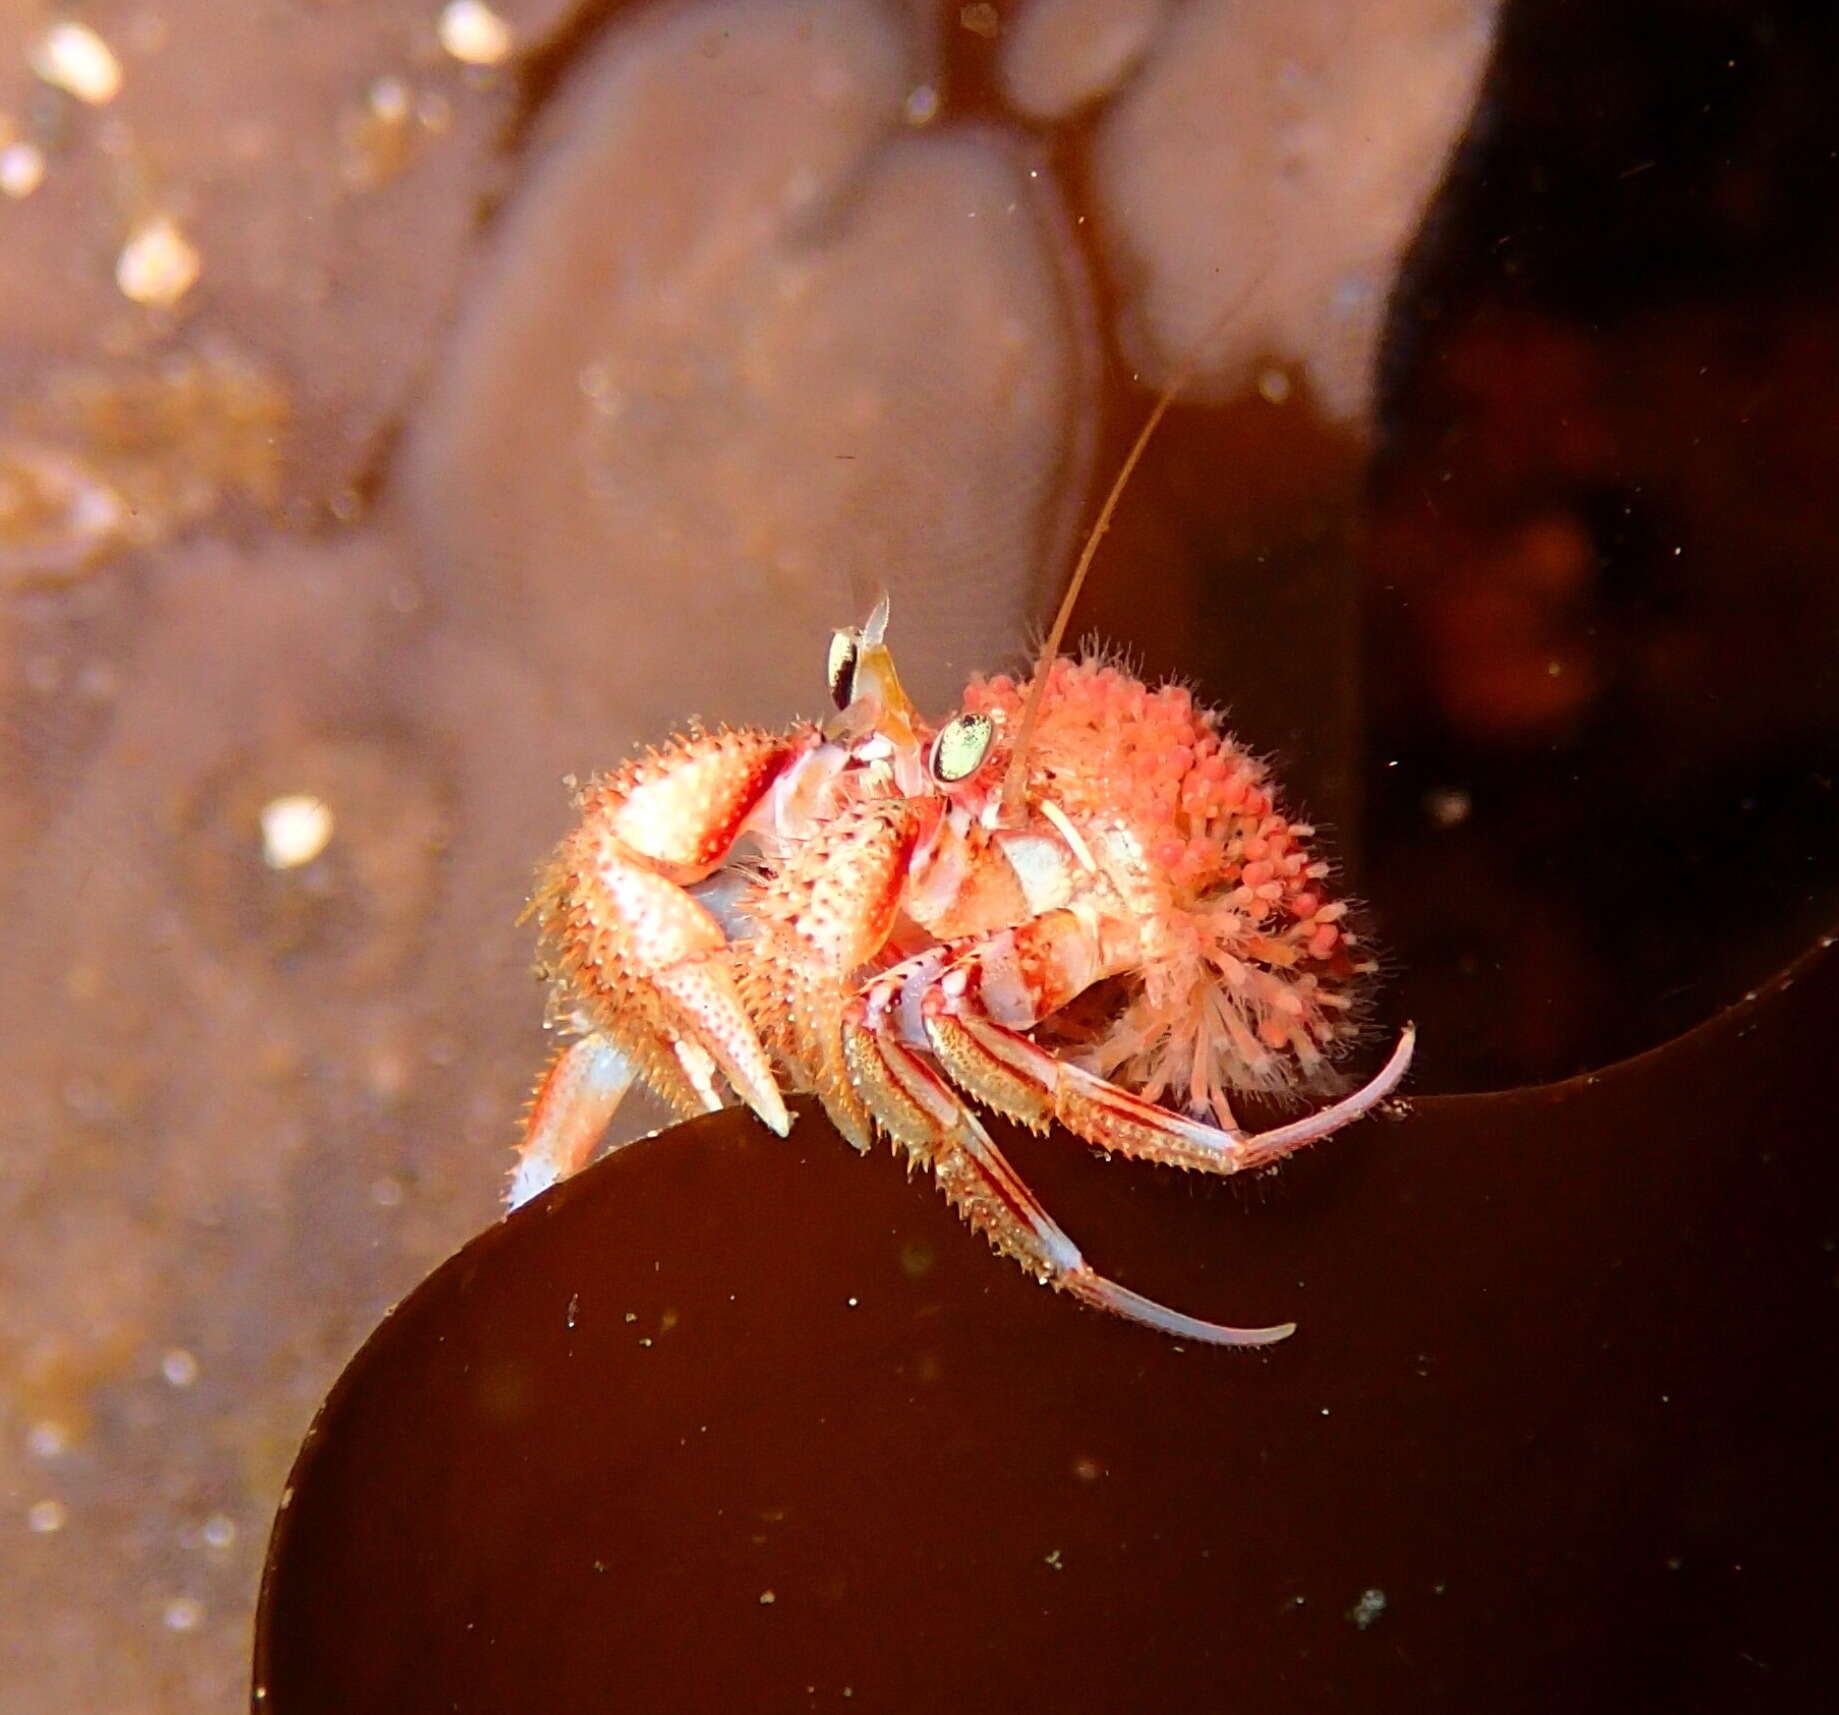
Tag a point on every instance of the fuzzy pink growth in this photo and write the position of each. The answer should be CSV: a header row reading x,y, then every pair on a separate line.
x,y
1246,981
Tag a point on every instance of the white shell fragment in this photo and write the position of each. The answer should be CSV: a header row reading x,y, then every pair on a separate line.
x,y
158,264
474,34
72,57
296,828
22,170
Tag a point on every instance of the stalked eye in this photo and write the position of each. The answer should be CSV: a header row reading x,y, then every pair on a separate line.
x,y
842,669
959,750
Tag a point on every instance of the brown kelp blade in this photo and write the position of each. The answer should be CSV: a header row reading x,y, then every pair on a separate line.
x,y
729,1422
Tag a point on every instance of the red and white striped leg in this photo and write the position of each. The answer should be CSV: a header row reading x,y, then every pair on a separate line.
x,y
992,1059
931,1122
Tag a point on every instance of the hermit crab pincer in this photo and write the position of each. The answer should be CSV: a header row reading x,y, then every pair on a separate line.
x,y
1077,900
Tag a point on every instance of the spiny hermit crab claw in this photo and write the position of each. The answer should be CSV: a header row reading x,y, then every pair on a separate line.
x,y
718,1030
643,966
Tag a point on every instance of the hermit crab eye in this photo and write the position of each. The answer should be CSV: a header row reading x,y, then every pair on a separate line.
x,y
844,646
958,752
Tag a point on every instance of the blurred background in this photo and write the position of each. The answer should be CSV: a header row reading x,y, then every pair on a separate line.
x,y
403,406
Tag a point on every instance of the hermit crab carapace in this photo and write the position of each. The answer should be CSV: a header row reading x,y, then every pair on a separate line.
x,y
1077,900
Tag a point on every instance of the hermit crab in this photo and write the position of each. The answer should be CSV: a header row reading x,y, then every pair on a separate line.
x,y
1076,901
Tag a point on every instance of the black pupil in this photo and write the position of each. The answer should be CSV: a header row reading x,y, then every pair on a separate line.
x,y
842,676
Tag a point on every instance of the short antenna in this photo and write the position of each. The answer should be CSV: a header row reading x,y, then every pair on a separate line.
x,y
1015,778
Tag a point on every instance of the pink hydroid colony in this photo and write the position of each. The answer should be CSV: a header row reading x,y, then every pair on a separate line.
x,y
1249,977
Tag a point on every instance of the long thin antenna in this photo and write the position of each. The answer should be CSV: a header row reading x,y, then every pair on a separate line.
x,y
1015,777
1031,710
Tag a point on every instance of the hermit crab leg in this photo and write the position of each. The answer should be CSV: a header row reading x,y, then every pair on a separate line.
x,y
576,1098
916,1107
1005,1070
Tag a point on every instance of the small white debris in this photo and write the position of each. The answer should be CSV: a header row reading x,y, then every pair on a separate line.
x,y
1053,1559
22,170
46,1517
388,99
158,264
922,105
47,1438
767,1598
981,19
219,1531
179,1367
386,1192
296,828
474,34
72,57
182,1614
1367,1608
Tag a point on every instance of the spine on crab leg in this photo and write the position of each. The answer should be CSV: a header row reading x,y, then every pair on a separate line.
x,y
917,1109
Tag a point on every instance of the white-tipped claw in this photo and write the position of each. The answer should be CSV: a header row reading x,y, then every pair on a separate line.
x,y
722,1035
576,1098
529,1178
1265,1146
771,1108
